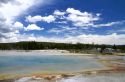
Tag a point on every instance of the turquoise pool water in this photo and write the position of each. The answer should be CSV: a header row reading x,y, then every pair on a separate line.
x,y
34,64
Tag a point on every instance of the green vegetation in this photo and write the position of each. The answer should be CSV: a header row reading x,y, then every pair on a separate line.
x,y
32,45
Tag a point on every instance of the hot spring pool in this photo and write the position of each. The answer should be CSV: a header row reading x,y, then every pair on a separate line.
x,y
33,64
48,64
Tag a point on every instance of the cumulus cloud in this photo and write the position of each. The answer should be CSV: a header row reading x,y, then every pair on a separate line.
x,y
4,1
81,19
76,17
84,19
84,38
18,25
38,18
33,27
9,10
48,19
58,13
74,11
4,28
9,27
33,19
97,39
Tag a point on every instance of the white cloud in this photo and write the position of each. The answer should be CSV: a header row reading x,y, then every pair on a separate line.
x,y
58,13
87,20
18,25
9,10
97,39
76,17
73,11
109,24
37,18
48,19
9,29
81,19
34,18
33,27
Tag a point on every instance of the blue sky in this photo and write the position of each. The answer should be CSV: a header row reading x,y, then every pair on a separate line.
x,y
84,21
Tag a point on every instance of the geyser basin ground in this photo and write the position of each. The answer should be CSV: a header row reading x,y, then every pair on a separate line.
x,y
22,65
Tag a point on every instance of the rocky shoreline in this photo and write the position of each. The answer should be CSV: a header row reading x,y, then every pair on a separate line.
x,y
55,77
40,52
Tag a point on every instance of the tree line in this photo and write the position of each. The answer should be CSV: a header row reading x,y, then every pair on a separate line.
x,y
32,45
